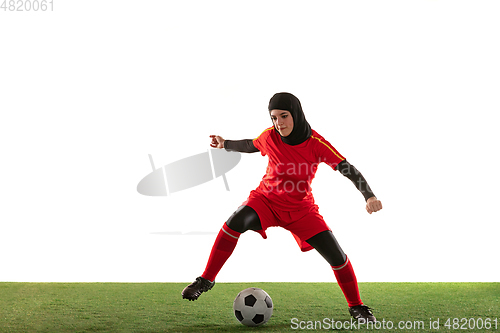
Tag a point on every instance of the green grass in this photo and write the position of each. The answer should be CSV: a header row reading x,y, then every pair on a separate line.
x,y
158,307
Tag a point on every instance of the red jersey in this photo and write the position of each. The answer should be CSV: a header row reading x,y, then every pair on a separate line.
x,y
291,169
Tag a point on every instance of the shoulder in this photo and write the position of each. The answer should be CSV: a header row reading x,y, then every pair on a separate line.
x,y
262,142
317,139
323,146
265,134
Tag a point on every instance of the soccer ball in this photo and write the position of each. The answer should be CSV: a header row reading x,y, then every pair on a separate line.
x,y
253,307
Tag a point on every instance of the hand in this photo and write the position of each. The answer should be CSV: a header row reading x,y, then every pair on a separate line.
x,y
373,205
217,142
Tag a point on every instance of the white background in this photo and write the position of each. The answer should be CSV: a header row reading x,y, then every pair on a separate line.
x,y
407,91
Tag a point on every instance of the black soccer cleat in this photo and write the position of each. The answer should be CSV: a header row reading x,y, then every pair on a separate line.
x,y
362,313
194,290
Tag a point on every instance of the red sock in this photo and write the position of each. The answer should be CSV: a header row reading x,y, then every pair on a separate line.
x,y
348,283
223,247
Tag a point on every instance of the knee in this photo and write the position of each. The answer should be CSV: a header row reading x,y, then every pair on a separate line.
x,y
333,255
337,259
326,244
235,225
243,219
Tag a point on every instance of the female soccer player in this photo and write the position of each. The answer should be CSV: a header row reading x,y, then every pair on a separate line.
x,y
283,198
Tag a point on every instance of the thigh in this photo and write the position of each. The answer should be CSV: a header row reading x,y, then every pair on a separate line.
x,y
326,244
243,219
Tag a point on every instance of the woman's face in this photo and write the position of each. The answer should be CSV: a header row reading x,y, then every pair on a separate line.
x,y
282,121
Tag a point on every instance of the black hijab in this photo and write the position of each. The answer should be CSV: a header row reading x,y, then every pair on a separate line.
x,y
301,128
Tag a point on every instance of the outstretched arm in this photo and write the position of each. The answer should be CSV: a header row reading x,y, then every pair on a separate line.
x,y
350,171
242,146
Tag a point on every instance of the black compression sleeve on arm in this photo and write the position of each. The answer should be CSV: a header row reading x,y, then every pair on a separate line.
x,y
350,171
242,146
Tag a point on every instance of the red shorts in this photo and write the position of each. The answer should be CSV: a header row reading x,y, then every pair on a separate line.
x,y
302,223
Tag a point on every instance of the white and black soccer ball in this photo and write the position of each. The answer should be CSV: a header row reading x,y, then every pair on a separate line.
x,y
253,307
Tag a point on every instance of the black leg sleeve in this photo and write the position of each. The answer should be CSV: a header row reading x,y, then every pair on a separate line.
x,y
326,244
243,219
